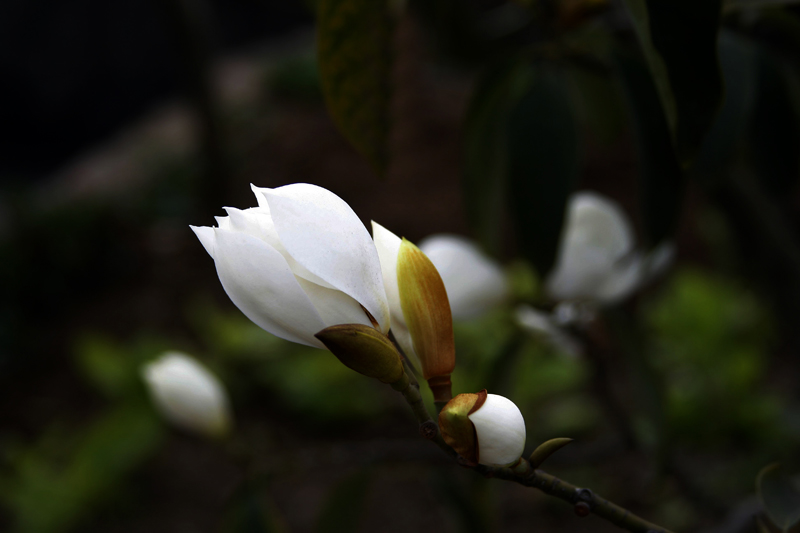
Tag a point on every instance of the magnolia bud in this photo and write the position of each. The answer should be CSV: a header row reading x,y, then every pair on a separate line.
x,y
187,394
365,350
426,310
483,428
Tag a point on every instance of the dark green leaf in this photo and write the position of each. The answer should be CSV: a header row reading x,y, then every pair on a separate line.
x,y
543,163
601,106
660,174
485,149
679,40
779,496
737,57
342,512
774,131
354,39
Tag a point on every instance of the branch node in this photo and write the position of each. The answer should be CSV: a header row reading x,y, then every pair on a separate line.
x,y
428,429
584,495
582,509
462,461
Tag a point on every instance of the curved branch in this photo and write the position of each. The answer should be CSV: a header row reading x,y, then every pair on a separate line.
x,y
584,500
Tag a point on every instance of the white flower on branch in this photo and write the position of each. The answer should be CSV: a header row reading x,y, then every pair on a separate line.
x,y
500,429
298,263
187,394
597,260
483,428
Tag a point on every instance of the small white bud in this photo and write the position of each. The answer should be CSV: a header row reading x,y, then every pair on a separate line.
x,y
187,394
500,429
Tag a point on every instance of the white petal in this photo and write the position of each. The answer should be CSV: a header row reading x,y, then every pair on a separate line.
x,y
541,324
257,222
335,307
223,222
324,235
622,280
258,280
260,198
659,260
475,284
388,246
206,236
188,394
500,428
596,237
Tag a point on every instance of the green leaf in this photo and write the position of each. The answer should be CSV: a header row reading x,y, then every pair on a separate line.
x,y
779,496
354,41
679,41
660,173
342,512
600,104
774,130
546,449
543,163
485,149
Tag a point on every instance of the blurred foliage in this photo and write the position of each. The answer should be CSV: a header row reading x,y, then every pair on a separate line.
x,y
354,46
252,511
296,78
307,381
57,483
710,338
342,512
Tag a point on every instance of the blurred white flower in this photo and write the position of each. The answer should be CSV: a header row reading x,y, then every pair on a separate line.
x,y
500,430
475,283
187,394
544,325
597,260
299,262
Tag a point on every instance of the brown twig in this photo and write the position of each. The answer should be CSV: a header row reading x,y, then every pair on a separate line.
x,y
584,500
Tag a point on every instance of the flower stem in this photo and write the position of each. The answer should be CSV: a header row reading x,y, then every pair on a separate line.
x,y
522,473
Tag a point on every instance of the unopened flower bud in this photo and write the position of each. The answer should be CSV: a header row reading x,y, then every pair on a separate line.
x,y
187,394
365,350
483,428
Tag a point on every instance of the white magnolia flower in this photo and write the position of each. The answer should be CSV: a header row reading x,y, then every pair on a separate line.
x,y
500,429
597,260
475,283
299,262
187,394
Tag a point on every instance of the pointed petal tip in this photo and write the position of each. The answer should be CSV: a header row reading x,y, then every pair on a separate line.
x,y
207,237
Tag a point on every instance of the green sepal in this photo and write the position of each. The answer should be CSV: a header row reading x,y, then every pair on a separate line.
x,y
546,449
365,350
